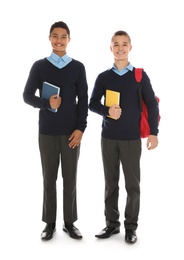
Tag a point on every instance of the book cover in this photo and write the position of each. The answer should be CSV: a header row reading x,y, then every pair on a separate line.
x,y
48,90
112,98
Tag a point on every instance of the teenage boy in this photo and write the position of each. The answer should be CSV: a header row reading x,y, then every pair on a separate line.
x,y
60,133
120,141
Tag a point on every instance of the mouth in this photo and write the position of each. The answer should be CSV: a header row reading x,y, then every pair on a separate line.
x,y
59,45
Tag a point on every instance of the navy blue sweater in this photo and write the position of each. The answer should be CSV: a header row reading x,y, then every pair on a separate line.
x,y
72,114
127,127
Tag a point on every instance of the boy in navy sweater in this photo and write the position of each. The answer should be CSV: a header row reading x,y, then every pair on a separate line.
x,y
120,141
60,133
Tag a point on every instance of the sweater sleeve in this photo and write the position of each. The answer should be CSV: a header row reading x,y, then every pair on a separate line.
x,y
95,103
32,85
151,103
82,95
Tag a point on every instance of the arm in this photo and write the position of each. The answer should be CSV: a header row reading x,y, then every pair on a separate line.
x,y
33,84
151,103
153,112
95,104
82,109
82,97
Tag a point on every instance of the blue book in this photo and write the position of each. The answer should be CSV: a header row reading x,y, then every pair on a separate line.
x,y
49,90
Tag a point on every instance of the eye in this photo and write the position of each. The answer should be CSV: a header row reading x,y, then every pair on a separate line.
x,y
54,36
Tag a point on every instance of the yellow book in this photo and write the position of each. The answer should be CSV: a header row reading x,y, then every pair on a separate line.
x,y
112,98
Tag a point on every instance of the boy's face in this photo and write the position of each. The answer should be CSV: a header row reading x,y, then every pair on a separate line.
x,y
120,47
59,40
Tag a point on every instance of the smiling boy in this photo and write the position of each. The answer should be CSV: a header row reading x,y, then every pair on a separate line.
x,y
120,136
60,133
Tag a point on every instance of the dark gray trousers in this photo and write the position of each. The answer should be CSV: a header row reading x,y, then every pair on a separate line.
x,y
53,150
127,153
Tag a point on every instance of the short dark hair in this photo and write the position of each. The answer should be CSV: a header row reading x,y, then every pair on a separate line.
x,y
60,24
120,33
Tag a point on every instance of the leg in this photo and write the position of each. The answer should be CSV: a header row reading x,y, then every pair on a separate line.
x,y
69,162
49,151
130,157
111,163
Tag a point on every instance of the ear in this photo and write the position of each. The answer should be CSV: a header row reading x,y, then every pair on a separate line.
x,y
110,47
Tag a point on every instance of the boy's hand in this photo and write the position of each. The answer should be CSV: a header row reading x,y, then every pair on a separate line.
x,y
55,101
75,138
152,142
115,111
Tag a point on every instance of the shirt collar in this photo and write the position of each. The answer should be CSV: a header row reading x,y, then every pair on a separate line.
x,y
56,58
58,61
128,67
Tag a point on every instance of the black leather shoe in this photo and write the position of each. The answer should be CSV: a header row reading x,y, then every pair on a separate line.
x,y
130,236
107,232
72,231
48,232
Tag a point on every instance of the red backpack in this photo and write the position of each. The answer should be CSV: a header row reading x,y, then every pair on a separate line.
x,y
144,125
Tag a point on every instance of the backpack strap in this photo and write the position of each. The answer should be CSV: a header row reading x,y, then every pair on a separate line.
x,y
138,74
138,77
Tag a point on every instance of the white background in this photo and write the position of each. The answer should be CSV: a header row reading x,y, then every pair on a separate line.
x,y
156,30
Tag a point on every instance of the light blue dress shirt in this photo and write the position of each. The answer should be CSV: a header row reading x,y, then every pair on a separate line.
x,y
59,62
124,70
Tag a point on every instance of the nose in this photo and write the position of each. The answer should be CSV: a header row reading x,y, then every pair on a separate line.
x,y
59,39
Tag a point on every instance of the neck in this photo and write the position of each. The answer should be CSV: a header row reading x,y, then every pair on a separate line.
x,y
121,64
